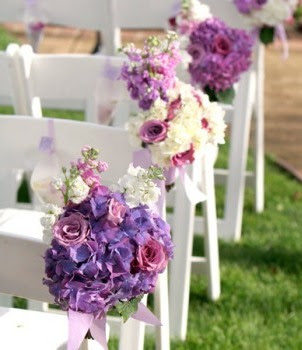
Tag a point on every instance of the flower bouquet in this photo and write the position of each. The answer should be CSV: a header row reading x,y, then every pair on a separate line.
x,y
267,16
217,54
107,246
180,120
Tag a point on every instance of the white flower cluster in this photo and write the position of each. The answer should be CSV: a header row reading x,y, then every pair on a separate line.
x,y
193,11
78,190
273,13
137,187
51,211
185,129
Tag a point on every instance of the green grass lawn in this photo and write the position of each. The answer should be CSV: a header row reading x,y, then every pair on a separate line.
x,y
261,305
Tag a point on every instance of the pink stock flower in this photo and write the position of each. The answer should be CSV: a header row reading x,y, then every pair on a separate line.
x,y
116,211
102,166
183,158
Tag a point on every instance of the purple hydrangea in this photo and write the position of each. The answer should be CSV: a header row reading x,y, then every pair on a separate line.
x,y
247,6
151,72
219,54
109,253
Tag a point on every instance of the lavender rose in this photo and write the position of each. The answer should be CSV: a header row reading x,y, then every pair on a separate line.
x,y
116,211
153,131
71,230
151,257
183,158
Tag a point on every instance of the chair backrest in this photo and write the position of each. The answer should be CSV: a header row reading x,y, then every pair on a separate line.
x,y
71,81
146,14
226,10
11,90
23,254
85,14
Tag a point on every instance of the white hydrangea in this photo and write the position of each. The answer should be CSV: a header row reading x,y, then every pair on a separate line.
x,y
273,13
195,12
78,190
185,128
138,188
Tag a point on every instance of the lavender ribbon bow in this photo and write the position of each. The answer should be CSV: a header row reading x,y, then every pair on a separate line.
x,y
80,324
143,158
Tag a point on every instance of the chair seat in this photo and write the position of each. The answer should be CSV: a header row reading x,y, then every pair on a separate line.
x,y
32,330
21,222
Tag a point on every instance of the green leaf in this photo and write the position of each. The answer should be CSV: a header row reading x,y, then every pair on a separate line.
x,y
211,93
155,173
128,308
267,35
226,96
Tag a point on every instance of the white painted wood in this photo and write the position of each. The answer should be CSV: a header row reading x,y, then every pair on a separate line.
x,y
234,200
259,146
210,236
85,14
180,267
134,330
72,81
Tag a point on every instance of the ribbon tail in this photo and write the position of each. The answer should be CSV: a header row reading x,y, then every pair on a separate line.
x,y
98,331
145,315
79,324
192,191
283,37
142,158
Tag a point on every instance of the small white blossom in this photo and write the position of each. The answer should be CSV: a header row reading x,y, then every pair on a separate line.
x,y
78,191
57,183
48,221
138,188
47,236
52,209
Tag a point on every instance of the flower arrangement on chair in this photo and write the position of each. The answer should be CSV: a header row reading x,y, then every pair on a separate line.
x,y
178,120
107,246
217,55
267,16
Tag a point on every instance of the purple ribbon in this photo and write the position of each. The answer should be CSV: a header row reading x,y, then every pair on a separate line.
x,y
281,33
80,324
47,143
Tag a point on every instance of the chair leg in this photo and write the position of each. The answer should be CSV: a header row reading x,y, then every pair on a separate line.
x,y
132,335
210,233
259,132
161,304
240,132
180,267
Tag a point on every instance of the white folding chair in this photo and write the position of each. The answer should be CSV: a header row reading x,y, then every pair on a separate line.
x,y
11,91
74,82
226,10
85,14
27,268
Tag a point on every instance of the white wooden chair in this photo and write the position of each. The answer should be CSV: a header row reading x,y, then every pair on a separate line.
x,y
226,10
21,244
85,14
11,92
74,82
